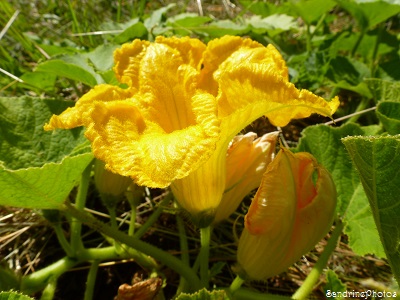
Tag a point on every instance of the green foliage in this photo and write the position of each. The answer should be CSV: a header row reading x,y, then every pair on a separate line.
x,y
377,160
204,295
13,296
38,169
333,283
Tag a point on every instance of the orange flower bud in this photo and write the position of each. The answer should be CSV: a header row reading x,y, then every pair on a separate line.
x,y
246,161
292,210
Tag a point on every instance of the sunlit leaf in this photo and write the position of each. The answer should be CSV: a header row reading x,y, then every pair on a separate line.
x,y
38,169
68,70
137,30
312,10
377,160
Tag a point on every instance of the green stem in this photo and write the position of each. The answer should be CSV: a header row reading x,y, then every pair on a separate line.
x,y
154,217
306,288
205,235
76,225
166,258
235,285
39,279
50,289
62,239
184,252
358,42
91,280
361,106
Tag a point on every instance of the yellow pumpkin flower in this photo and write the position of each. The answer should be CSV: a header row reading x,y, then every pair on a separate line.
x,y
246,161
184,103
292,210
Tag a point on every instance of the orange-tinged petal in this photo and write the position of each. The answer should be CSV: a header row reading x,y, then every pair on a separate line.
x,y
283,223
246,161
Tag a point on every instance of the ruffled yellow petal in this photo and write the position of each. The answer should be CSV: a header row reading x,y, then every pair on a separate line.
x,y
134,146
251,90
73,117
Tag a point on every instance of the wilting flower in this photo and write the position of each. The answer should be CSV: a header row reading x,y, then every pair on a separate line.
x,y
292,210
184,103
246,161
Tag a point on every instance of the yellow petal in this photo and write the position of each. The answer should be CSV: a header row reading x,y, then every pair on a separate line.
x,y
134,146
246,161
73,117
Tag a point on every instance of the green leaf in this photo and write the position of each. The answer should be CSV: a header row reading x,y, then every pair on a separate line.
x,y
8,279
224,27
137,30
333,283
40,80
204,295
369,14
324,143
273,24
388,113
68,70
156,17
383,90
13,296
38,169
312,10
377,160
102,58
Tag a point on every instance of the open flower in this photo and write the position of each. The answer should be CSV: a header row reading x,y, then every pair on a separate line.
x,y
246,161
292,210
184,103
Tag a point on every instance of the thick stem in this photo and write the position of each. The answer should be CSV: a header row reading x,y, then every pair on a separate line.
x,y
205,235
80,201
166,258
235,285
91,280
50,289
306,288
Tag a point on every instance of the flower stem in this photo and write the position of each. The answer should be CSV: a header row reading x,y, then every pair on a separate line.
x,y
50,289
306,288
80,201
166,258
91,280
154,217
205,235
235,285
184,252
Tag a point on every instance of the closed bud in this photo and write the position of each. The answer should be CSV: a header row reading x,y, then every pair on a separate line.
x,y
111,186
292,210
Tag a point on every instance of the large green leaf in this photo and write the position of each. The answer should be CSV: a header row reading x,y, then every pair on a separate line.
x,y
388,113
312,10
383,90
38,169
72,71
377,160
324,143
